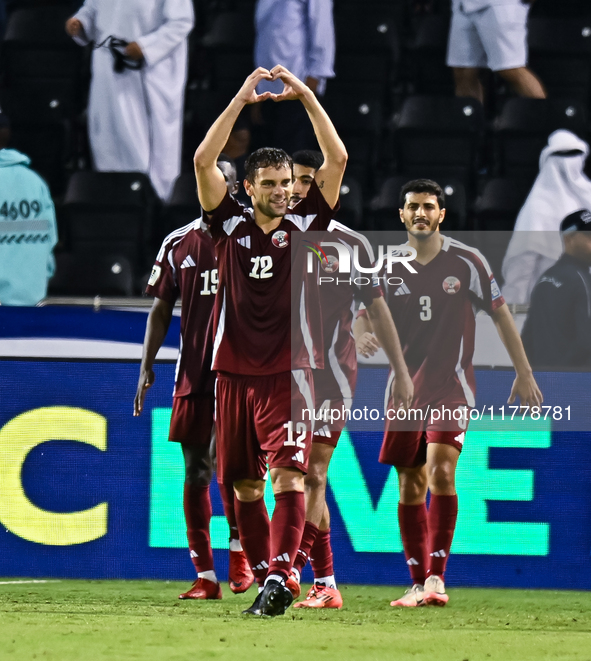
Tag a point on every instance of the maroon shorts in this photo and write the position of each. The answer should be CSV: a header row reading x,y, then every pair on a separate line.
x,y
192,419
405,442
255,424
333,395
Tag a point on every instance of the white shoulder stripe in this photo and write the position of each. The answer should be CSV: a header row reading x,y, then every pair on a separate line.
x,y
232,223
301,222
177,234
474,251
335,225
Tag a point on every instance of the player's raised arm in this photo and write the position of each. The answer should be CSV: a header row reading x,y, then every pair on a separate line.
x,y
330,174
156,329
211,185
524,386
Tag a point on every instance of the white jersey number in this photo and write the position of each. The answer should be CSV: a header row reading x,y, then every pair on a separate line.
x,y
425,302
300,431
265,263
210,282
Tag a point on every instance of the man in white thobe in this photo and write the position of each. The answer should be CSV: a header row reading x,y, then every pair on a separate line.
x,y
135,116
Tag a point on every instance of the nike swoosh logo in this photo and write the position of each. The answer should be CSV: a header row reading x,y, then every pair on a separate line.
x,y
237,584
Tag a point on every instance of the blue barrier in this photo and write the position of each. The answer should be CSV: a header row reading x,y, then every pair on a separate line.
x,y
88,491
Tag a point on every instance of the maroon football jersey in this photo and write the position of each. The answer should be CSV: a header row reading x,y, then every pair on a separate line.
x,y
186,267
255,306
435,314
338,297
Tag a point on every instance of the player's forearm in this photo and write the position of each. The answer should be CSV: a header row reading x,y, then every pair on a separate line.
x,y
385,330
211,147
511,339
156,329
361,325
331,145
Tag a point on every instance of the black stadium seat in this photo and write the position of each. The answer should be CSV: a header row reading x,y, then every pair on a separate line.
x,y
230,47
386,204
111,212
522,130
37,48
91,274
560,54
438,136
183,206
427,54
351,199
496,210
41,129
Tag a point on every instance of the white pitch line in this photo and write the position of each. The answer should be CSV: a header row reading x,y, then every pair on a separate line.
x,y
19,582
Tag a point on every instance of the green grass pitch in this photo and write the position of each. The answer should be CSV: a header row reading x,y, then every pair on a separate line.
x,y
99,620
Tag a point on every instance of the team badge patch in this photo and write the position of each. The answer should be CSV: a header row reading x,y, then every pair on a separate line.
x,y
156,270
451,285
280,239
494,289
330,264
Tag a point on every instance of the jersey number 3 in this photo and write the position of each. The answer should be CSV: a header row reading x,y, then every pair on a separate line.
x,y
425,303
265,264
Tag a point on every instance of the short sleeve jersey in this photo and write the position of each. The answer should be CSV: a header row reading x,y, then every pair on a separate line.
x,y
255,305
435,314
339,292
186,268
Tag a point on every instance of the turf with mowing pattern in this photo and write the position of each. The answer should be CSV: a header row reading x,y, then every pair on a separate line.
x,y
99,620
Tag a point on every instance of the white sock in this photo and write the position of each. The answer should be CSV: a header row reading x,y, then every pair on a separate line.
x,y
275,577
327,580
209,575
235,545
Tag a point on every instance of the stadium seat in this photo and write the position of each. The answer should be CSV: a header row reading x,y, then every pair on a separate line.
x,y
499,203
37,48
560,54
351,199
230,46
427,53
438,136
358,121
495,212
91,274
522,130
41,130
183,206
111,212
387,202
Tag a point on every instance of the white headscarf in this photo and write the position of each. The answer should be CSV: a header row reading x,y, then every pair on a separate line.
x,y
560,188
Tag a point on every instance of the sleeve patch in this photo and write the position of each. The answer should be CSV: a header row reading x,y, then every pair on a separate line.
x,y
494,289
156,271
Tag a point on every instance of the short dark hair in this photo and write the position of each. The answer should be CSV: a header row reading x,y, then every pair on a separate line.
x,y
264,158
309,158
423,186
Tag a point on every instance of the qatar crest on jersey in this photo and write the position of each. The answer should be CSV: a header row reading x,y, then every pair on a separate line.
x,y
280,239
451,285
330,264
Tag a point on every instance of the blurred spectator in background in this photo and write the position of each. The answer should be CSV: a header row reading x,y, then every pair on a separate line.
x,y
491,34
557,331
560,188
28,229
139,71
298,34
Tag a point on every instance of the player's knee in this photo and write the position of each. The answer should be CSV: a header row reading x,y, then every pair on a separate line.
x,y
413,486
442,479
315,480
247,491
465,76
287,479
198,477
